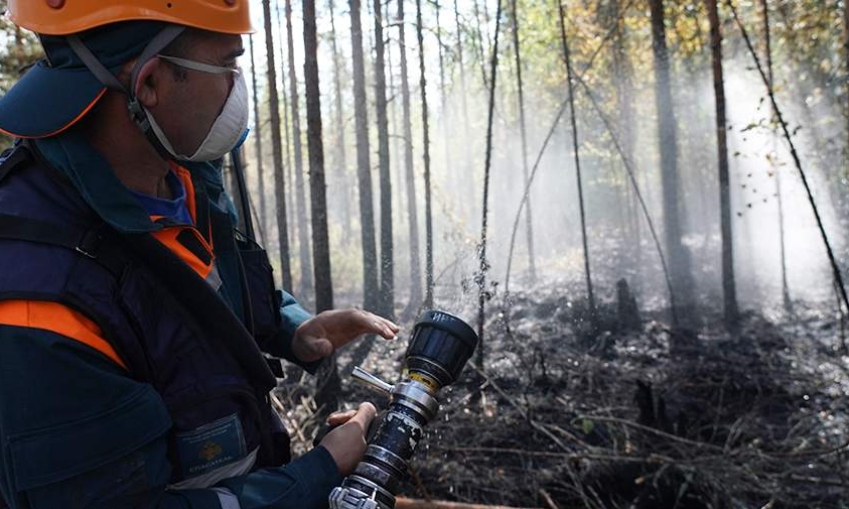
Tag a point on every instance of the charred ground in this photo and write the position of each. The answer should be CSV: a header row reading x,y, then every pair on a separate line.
x,y
646,416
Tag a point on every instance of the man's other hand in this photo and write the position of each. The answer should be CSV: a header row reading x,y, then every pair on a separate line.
x,y
322,334
346,443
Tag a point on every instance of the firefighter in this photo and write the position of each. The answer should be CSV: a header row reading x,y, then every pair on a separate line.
x,y
133,314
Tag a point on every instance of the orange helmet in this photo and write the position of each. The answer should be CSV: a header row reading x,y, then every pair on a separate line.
x,y
64,17
86,41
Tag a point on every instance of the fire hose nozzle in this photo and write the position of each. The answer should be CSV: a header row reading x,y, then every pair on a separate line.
x,y
439,348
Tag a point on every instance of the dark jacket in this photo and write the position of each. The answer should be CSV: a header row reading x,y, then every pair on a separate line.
x,y
112,391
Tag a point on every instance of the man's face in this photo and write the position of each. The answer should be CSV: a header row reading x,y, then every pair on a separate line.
x,y
189,101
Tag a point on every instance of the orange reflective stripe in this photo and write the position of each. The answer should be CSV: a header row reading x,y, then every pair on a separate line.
x,y
64,127
54,317
186,179
169,237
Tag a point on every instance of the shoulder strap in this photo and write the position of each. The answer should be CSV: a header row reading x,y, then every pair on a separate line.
x,y
42,232
88,242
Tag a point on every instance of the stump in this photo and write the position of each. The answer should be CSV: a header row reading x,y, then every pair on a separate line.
x,y
628,315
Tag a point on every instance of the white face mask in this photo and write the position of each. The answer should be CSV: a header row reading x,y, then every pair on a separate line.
x,y
228,130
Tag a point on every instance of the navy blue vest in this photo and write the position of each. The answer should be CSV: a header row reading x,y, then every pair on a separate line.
x,y
161,341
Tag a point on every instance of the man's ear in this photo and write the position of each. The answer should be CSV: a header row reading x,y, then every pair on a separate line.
x,y
145,86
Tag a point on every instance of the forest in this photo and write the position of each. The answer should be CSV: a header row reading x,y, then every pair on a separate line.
x,y
641,207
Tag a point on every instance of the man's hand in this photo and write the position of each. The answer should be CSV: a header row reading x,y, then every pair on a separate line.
x,y
322,334
346,443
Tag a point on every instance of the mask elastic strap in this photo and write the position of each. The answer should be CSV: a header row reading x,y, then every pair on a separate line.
x,y
157,44
199,66
137,112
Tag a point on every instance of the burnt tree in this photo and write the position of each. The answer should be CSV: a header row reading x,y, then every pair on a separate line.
x,y
287,136
387,282
529,228
483,292
622,73
257,137
328,382
279,185
571,87
428,302
369,250
318,195
679,259
728,287
409,170
340,157
468,180
785,288
300,198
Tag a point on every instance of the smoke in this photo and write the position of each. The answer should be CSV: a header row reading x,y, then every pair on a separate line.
x,y
619,241
761,168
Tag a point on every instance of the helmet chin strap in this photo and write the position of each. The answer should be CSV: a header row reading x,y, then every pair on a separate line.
x,y
137,113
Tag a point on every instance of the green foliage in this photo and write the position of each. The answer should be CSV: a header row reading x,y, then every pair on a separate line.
x,y
19,49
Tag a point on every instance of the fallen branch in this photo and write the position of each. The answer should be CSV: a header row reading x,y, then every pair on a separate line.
x,y
647,429
281,411
504,450
521,410
412,503
548,500
817,480
650,459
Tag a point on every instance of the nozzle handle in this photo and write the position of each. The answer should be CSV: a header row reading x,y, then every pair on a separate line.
x,y
369,380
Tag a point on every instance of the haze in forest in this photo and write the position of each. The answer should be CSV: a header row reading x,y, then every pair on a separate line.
x,y
757,155
611,61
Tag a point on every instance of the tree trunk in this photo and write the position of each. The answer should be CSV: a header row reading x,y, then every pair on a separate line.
x,y
470,185
321,243
785,288
679,262
846,61
428,302
567,58
329,385
481,50
287,137
279,184
370,286
300,198
395,153
340,159
625,106
483,292
728,289
394,106
529,228
257,137
387,272
412,209
443,102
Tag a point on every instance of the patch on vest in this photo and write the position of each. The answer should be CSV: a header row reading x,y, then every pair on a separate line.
x,y
211,446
